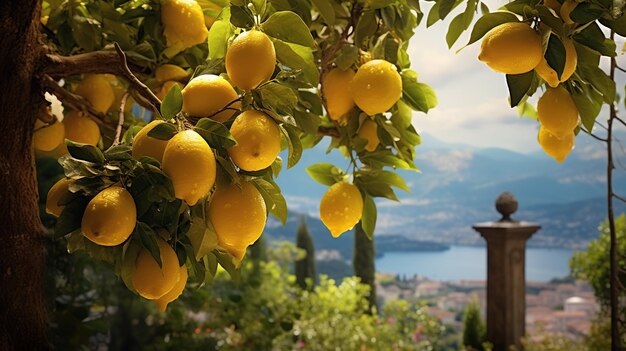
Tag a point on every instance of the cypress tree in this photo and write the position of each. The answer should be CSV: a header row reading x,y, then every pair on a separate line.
x,y
473,327
305,268
363,262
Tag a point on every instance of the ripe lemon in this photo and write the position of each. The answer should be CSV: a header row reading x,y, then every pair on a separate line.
x,y
48,137
175,292
341,208
56,192
166,87
143,145
183,23
238,214
557,148
369,132
511,48
337,92
250,59
189,162
557,111
151,281
237,252
376,86
258,141
97,90
168,71
571,60
567,8
81,129
207,94
110,217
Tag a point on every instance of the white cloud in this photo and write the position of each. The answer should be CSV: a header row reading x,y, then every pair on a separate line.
x,y
453,161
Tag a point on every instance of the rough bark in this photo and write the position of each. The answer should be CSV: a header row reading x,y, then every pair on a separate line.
x,y
22,304
363,262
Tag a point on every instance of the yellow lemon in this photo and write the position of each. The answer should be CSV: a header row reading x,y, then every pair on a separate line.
x,y
97,90
143,145
168,71
337,92
55,194
189,162
567,8
81,129
48,137
571,60
238,253
207,94
183,23
376,86
110,217
258,141
151,281
175,292
166,87
511,48
238,214
557,148
341,208
250,59
369,132
557,111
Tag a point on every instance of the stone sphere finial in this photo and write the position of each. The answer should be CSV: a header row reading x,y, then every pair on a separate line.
x,y
506,205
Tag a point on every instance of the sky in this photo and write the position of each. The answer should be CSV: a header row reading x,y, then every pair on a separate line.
x,y
473,107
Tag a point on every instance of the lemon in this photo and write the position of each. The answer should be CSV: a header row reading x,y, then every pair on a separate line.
x,y
151,281
337,92
97,90
175,292
166,87
110,217
55,194
48,137
238,214
183,23
341,208
369,132
553,4
557,111
250,59
557,148
258,141
143,145
119,89
81,129
376,86
207,94
511,48
567,8
571,60
168,71
189,162
238,253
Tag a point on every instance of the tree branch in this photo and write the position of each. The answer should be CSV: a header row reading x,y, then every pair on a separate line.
x,y
619,198
329,131
73,101
120,119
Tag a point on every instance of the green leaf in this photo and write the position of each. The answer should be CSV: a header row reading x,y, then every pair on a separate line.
x,y
287,26
488,22
594,38
202,237
457,26
241,17
588,107
393,179
308,122
129,258
484,9
297,57
148,238
220,32
365,28
519,84
71,216
419,96
433,15
527,110
163,131
279,96
173,103
326,10
118,153
368,218
325,173
226,261
274,200
600,81
445,6
215,133
259,6
347,57
85,152
555,55
295,145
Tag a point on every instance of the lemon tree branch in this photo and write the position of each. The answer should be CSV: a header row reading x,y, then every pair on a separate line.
x,y
120,119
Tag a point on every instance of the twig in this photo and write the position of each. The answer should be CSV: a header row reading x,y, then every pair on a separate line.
x,y
620,68
137,84
120,119
329,131
74,101
620,120
225,108
597,137
622,199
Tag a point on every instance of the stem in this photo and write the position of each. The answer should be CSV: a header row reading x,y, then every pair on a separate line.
x,y
120,119
139,86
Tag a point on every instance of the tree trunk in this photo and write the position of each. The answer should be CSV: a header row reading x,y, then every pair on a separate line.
x,y
363,262
22,305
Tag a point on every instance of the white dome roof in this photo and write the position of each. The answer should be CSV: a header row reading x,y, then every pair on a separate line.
x,y
575,300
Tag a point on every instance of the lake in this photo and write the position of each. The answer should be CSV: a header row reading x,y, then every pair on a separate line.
x,y
470,263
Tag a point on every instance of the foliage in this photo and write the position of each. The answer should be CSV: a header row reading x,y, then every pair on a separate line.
x,y
305,267
473,327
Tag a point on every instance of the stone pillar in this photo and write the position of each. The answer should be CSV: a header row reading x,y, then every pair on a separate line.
x,y
506,281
